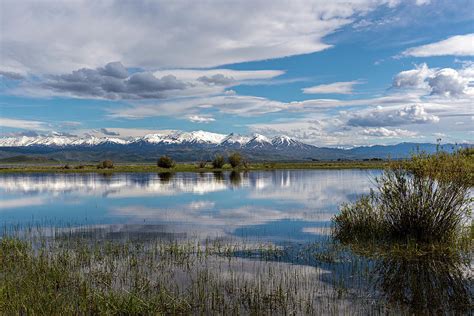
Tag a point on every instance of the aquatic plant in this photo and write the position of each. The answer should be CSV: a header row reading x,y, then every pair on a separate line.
x,y
100,270
418,202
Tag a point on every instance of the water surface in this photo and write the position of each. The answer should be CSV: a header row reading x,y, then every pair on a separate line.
x,y
273,205
288,208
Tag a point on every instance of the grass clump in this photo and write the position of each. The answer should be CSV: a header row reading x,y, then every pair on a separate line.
x,y
417,203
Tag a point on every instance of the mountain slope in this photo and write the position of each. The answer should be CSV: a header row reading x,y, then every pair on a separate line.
x,y
197,145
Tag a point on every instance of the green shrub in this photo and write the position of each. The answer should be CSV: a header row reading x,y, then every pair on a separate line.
x,y
235,160
202,164
166,162
218,162
106,164
406,206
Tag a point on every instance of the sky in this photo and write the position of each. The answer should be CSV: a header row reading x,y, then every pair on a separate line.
x,y
328,73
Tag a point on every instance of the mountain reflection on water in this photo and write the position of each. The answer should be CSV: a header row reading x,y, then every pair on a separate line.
x,y
290,209
274,205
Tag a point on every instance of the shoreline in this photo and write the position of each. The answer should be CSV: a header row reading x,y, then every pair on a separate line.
x,y
188,167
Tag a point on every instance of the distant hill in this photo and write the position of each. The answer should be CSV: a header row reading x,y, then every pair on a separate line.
x,y
192,146
28,159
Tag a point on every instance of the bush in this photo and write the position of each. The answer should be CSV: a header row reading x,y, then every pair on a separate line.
x,y
406,206
235,160
218,162
166,162
202,164
106,164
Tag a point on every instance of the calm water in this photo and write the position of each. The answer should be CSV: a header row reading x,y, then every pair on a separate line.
x,y
283,205
290,208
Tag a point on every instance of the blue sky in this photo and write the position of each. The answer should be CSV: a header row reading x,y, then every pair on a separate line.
x,y
339,73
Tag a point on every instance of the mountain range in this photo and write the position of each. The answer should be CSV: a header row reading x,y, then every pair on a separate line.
x,y
196,145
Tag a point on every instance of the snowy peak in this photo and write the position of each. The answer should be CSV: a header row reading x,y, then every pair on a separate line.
x,y
177,137
258,141
235,140
58,141
285,141
202,137
163,138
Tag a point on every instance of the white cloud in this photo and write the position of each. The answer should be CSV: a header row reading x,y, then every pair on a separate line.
x,y
238,75
345,87
180,34
445,82
448,82
414,78
201,119
459,45
378,117
385,132
23,124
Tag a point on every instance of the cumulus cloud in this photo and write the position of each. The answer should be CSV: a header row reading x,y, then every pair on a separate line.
x,y
114,69
345,87
239,76
445,82
448,82
414,78
113,82
109,132
385,132
11,75
217,79
459,45
378,117
201,119
211,33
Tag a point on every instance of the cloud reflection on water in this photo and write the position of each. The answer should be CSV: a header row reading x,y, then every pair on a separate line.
x,y
200,201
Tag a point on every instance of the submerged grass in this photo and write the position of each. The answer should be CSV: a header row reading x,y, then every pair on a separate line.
x,y
81,271
425,200
69,274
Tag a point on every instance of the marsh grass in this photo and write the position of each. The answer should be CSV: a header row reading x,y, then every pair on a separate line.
x,y
189,167
82,271
425,200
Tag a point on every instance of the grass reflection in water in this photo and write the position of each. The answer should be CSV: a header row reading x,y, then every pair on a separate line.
x,y
134,269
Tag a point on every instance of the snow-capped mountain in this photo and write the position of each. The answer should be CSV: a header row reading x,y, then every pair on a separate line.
x,y
190,146
285,141
235,140
176,137
165,138
258,141
59,141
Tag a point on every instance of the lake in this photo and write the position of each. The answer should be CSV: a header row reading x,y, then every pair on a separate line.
x,y
282,205
256,240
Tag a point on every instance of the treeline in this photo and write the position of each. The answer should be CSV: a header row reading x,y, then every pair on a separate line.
x,y
235,160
